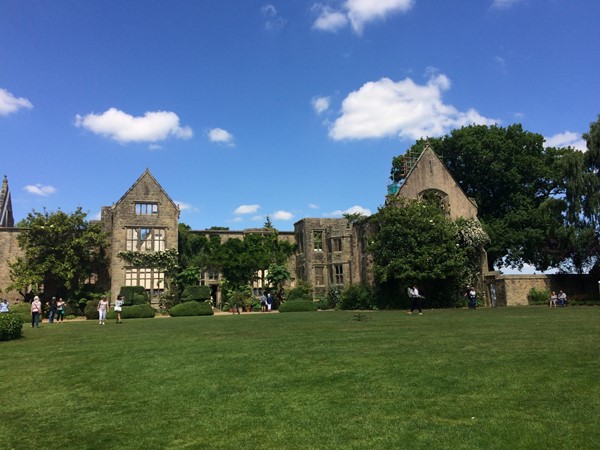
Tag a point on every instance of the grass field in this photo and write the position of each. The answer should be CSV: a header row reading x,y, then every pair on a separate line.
x,y
492,378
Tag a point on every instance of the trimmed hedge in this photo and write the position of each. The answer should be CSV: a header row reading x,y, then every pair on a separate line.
x,y
298,305
133,295
191,308
300,292
91,310
195,293
144,311
23,310
11,326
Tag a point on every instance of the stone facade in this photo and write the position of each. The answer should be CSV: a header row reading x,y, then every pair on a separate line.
x,y
326,253
430,176
512,290
9,251
144,219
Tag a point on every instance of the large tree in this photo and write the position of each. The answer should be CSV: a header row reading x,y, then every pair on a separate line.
x,y
415,242
514,179
60,251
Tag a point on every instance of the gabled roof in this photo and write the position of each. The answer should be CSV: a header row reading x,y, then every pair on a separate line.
x,y
146,174
429,151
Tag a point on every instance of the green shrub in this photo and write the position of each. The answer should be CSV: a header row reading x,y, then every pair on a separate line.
x,y
144,311
23,310
356,296
301,292
191,308
11,326
129,294
139,299
91,310
334,293
538,296
195,293
297,306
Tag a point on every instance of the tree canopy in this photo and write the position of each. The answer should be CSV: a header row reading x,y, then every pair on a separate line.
x,y
60,251
238,260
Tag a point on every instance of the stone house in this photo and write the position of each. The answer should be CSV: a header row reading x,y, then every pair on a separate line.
x,y
144,219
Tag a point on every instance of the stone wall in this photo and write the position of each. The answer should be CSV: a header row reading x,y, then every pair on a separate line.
x,y
9,250
512,290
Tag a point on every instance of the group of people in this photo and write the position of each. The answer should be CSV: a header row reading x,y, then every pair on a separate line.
x,y
56,311
103,307
266,302
559,299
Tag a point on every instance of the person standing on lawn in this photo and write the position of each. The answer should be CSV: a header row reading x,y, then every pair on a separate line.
x,y
52,312
60,310
102,309
119,307
36,312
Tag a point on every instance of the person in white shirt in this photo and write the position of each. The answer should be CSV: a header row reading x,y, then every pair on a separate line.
x,y
36,312
102,309
413,294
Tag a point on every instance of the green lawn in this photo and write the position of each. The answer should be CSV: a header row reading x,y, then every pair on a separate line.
x,y
492,378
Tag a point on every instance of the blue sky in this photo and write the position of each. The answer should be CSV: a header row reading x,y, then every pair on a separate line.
x,y
243,109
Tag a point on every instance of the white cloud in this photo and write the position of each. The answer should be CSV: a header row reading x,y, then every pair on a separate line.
x,y
96,216
220,136
282,215
10,104
40,189
274,21
405,109
566,139
357,13
352,210
183,206
122,127
313,206
246,209
504,4
320,104
329,19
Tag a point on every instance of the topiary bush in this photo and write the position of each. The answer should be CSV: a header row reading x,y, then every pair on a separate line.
x,y
23,310
144,311
191,308
11,326
356,296
133,295
297,306
538,296
91,310
195,293
139,299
